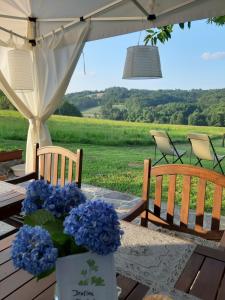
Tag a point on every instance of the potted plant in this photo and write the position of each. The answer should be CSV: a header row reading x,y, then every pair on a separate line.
x,y
11,155
65,232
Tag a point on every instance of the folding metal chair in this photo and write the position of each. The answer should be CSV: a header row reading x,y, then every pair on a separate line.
x,y
203,149
166,147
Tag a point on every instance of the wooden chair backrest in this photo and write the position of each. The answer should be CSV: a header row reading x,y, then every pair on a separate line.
x,y
55,163
187,172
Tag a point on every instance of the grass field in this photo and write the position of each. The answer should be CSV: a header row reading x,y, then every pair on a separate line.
x,y
113,151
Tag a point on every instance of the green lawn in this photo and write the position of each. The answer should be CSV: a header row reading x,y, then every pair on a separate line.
x,y
113,151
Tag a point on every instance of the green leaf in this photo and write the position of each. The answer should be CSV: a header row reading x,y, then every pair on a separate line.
x,y
45,274
39,217
83,272
181,25
97,281
83,282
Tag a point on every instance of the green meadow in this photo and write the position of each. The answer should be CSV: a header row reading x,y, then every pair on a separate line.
x,y
114,151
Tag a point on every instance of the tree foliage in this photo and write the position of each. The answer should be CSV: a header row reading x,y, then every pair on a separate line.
x,y
164,33
194,107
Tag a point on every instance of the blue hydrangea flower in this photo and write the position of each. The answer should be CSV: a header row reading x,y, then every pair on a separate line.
x,y
73,196
94,225
55,203
37,192
33,250
62,200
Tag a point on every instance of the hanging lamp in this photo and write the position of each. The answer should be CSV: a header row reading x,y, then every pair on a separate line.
x,y
20,70
142,62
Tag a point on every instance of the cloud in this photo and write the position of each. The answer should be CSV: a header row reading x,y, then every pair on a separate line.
x,y
213,55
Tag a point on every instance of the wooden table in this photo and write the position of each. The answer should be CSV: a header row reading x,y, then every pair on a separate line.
x,y
203,275
18,284
11,197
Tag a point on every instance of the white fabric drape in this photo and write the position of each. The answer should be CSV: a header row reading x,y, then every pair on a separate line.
x,y
53,64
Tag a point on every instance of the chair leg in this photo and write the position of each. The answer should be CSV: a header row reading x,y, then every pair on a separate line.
x,y
179,158
163,157
198,162
218,163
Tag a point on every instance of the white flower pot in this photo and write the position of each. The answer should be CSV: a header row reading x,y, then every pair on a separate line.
x,y
86,276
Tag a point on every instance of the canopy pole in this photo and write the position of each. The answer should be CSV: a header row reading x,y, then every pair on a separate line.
x,y
14,33
150,17
13,17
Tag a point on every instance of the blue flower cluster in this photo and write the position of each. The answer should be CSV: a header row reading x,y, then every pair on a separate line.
x,y
37,192
62,200
33,250
58,200
94,225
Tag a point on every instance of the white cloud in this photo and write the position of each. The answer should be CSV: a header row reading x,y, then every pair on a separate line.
x,y
213,55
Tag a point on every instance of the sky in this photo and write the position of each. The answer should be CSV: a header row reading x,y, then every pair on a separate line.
x,y
193,58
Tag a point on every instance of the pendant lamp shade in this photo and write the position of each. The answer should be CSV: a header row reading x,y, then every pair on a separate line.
x,y
20,69
142,62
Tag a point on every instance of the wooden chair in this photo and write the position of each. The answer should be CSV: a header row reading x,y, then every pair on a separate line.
x,y
55,164
187,172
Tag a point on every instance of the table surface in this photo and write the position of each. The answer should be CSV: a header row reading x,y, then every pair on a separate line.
x,y
204,274
18,284
154,258
11,196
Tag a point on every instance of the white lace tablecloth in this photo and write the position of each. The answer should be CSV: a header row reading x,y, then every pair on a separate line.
x,y
153,258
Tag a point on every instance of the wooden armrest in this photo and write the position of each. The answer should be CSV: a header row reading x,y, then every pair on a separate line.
x,y
222,242
135,211
24,178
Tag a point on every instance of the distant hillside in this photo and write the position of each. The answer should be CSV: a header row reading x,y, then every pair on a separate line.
x,y
194,107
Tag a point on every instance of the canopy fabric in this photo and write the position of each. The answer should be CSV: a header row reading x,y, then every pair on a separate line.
x,y
53,68
55,31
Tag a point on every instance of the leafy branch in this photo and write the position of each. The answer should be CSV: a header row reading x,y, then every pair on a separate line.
x,y
164,33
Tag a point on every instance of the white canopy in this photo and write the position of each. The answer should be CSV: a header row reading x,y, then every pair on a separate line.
x,y
55,31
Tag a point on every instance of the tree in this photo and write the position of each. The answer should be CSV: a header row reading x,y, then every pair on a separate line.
x,y
197,118
68,109
164,33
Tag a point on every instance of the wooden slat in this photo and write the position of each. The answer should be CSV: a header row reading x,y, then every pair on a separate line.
x,y
127,285
184,211
79,163
5,255
189,170
41,166
189,273
48,164
55,169
70,170
221,292
218,254
13,282
216,212
63,166
138,293
207,282
33,289
200,205
146,178
6,243
47,294
7,269
171,198
158,195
